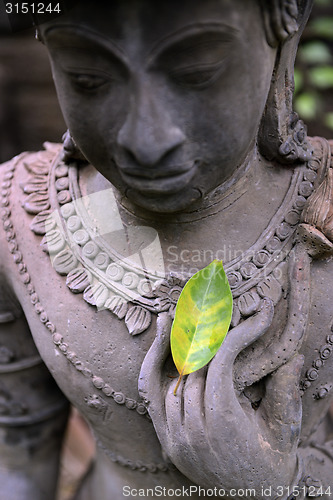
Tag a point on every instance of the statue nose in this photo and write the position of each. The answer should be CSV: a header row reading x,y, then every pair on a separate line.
x,y
148,134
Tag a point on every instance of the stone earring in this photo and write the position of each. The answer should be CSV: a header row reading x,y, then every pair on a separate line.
x,y
70,151
282,135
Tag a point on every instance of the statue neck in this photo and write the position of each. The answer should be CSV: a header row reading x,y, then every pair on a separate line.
x,y
226,222
219,199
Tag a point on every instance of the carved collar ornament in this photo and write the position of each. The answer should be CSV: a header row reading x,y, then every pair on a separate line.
x,y
80,250
92,248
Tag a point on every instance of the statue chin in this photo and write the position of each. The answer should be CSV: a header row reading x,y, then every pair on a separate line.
x,y
162,203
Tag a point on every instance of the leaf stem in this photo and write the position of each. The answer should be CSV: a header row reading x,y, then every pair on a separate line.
x,y
178,382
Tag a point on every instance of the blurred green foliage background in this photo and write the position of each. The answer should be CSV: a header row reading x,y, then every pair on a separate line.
x,y
314,71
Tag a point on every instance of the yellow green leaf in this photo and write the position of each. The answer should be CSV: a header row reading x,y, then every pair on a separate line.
x,y
202,319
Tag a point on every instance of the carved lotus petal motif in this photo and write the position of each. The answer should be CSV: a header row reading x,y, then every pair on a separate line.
x,y
249,303
42,223
65,262
35,185
96,295
78,280
236,316
271,288
38,168
36,203
53,242
118,306
137,320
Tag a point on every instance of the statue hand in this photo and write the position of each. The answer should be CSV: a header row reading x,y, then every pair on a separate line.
x,y
209,430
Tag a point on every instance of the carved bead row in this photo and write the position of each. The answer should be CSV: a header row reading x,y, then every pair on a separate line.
x,y
90,249
138,465
325,352
245,271
57,338
248,303
131,280
79,280
138,320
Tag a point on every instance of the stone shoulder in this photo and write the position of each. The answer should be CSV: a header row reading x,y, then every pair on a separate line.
x,y
9,309
12,173
5,183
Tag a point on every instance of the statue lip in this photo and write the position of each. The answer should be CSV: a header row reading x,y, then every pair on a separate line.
x,y
152,173
157,182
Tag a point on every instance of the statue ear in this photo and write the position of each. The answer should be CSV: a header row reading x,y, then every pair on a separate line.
x,y
283,18
282,136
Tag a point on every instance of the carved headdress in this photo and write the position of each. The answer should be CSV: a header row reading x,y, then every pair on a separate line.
x,y
282,136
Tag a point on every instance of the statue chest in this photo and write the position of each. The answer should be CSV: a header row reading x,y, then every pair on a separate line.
x,y
91,289
96,363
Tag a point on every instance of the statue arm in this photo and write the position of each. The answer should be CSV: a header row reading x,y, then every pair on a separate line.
x,y
212,432
214,436
33,411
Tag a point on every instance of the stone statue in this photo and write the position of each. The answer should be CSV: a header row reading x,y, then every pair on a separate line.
x,y
183,147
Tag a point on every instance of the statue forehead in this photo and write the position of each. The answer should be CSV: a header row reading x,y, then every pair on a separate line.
x,y
147,8
118,18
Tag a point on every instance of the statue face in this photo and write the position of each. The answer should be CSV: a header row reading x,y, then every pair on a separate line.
x,y
163,98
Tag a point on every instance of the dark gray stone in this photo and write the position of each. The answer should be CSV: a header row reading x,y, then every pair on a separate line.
x,y
183,147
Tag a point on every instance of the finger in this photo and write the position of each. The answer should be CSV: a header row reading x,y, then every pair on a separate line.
x,y
242,336
282,404
193,413
174,408
186,420
187,401
150,378
285,346
220,390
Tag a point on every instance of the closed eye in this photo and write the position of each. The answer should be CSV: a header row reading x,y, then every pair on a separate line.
x,y
88,81
198,59
197,77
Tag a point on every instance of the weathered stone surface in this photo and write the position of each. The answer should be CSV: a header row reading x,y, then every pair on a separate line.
x,y
184,110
